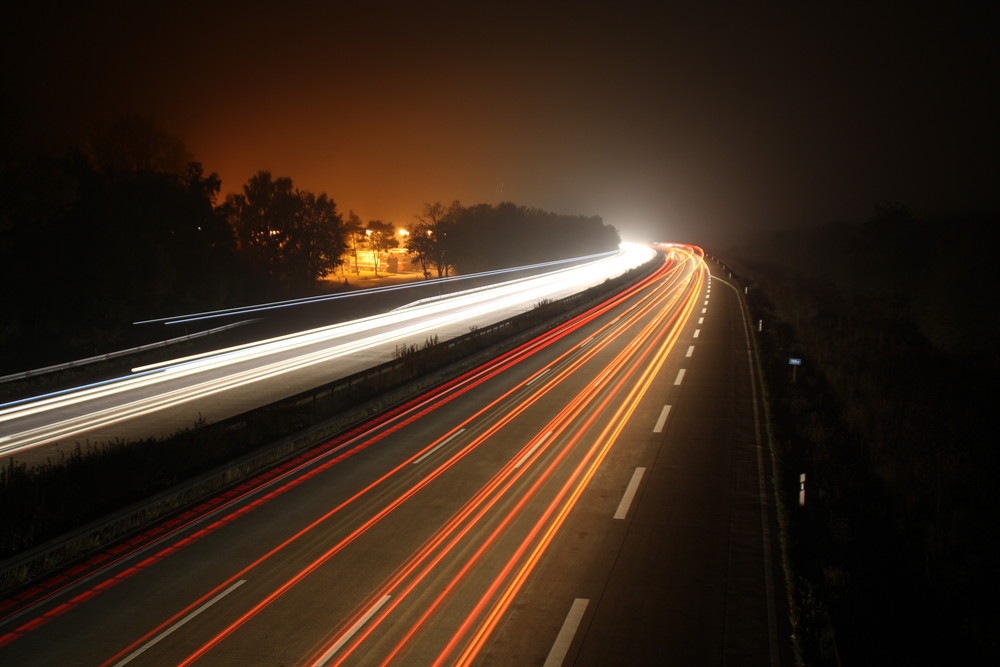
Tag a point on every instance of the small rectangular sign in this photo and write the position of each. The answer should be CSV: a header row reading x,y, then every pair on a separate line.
x,y
794,362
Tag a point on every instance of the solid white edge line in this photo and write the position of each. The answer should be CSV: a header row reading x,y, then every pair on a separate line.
x,y
772,620
560,647
633,486
680,376
662,420
531,451
438,446
176,626
325,658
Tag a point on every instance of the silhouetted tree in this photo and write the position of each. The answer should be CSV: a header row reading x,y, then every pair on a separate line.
x,y
261,216
319,244
289,235
380,237
354,230
418,244
488,237
431,240
116,229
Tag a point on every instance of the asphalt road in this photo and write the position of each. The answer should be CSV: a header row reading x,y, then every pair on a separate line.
x,y
161,400
499,519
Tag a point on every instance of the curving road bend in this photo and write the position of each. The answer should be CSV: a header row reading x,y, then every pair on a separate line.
x,y
548,507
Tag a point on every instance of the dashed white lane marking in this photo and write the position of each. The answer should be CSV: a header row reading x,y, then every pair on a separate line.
x,y
662,420
538,376
527,455
325,658
680,376
690,351
176,626
565,638
633,486
439,446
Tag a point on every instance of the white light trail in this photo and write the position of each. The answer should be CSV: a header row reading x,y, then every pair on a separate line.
x,y
224,312
156,387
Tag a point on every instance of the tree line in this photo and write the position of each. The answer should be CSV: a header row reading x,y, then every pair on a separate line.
x,y
485,236
126,225
890,418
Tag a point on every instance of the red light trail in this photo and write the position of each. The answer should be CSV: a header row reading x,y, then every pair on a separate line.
x,y
470,568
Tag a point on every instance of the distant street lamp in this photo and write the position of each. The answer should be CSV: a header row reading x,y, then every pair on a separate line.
x,y
368,233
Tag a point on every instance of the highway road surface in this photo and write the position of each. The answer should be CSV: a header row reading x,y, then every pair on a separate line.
x,y
165,398
596,496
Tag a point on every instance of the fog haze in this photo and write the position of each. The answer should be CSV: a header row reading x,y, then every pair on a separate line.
x,y
694,122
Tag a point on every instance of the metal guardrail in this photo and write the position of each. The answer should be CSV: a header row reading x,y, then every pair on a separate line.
x,y
35,372
23,567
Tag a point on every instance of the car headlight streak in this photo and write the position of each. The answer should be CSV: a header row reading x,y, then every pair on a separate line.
x,y
146,390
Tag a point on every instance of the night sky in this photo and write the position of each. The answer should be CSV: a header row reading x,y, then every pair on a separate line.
x,y
688,121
